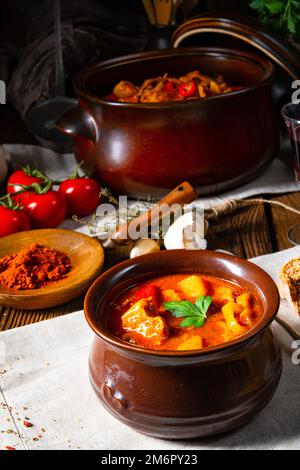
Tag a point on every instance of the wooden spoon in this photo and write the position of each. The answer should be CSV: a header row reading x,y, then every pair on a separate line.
x,y
183,194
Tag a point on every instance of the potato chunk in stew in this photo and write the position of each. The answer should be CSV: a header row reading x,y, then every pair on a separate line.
x,y
244,300
195,342
193,286
142,318
223,294
171,296
126,91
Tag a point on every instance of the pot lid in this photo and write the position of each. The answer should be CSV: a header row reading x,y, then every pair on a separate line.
x,y
244,32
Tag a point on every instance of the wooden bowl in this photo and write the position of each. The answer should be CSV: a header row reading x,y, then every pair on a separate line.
x,y
85,253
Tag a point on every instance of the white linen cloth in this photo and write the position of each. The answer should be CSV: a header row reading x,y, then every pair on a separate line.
x,y
47,373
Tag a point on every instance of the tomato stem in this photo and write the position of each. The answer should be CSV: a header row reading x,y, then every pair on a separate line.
x,y
35,172
7,201
38,188
75,173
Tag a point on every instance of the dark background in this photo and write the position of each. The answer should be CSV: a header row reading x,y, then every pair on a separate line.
x,y
21,20
104,28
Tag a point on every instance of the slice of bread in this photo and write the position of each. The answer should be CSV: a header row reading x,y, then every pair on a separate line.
x,y
289,283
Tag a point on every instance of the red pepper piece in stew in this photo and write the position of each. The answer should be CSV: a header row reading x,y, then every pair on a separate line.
x,y
149,291
187,89
112,97
170,88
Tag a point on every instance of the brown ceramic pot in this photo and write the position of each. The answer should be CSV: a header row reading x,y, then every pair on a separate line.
x,y
146,149
180,395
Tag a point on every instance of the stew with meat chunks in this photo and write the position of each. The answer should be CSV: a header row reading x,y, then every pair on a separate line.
x,y
183,312
193,85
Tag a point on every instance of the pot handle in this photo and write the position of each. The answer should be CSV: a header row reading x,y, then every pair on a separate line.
x,y
77,122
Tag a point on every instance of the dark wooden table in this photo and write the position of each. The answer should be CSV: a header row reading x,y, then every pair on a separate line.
x,y
250,232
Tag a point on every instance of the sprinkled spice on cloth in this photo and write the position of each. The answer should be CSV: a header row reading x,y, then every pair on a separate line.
x,y
33,267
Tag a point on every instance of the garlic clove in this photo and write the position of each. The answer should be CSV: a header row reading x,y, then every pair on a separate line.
x,y
144,247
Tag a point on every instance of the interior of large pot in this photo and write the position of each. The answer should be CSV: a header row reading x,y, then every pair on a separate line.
x,y
237,68
132,272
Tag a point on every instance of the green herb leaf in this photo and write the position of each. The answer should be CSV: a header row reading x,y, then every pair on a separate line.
x,y
181,309
281,15
192,321
193,314
275,7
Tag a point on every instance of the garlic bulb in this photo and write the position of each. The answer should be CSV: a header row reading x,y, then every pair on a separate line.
x,y
3,165
183,235
143,247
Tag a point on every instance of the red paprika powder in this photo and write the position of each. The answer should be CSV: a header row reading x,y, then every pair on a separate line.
x,y
33,268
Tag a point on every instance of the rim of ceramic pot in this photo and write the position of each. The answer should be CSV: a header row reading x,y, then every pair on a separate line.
x,y
266,67
265,286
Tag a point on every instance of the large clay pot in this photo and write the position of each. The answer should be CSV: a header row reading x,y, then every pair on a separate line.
x,y
146,149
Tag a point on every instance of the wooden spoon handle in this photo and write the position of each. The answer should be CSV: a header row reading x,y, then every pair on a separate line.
x,y
183,194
